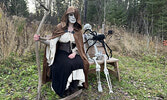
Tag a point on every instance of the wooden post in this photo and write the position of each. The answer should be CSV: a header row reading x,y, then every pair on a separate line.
x,y
156,45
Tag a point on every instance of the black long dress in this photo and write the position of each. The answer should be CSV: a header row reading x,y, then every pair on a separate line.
x,y
61,69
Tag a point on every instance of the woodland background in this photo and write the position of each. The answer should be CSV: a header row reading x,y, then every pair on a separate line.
x,y
139,29
145,17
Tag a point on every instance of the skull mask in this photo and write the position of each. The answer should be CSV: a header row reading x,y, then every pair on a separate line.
x,y
71,18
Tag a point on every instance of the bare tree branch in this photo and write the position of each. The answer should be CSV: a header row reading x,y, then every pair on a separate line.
x,y
43,5
37,52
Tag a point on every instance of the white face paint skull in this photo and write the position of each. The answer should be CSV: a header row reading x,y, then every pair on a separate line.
x,y
71,18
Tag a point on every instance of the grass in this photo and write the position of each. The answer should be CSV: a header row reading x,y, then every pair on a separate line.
x,y
142,78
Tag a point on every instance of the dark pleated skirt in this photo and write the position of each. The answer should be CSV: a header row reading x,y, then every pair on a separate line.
x,y
61,70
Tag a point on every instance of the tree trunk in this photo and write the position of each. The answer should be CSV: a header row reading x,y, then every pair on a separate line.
x,y
85,10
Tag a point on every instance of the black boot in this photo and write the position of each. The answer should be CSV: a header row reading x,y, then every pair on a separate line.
x,y
66,93
74,86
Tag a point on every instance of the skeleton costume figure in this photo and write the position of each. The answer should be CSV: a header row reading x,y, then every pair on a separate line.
x,y
65,63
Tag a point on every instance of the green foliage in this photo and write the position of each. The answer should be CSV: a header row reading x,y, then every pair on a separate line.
x,y
18,79
141,78
137,15
92,14
156,12
10,62
116,14
20,27
144,78
95,12
16,7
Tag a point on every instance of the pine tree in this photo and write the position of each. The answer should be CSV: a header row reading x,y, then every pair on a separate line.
x,y
18,7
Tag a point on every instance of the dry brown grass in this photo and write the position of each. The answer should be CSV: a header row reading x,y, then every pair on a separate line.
x,y
16,35
133,44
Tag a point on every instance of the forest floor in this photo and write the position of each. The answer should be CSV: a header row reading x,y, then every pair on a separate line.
x,y
142,78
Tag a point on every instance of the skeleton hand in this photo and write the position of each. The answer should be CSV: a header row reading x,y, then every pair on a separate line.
x,y
71,56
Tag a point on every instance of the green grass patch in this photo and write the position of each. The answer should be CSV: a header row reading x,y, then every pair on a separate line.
x,y
142,78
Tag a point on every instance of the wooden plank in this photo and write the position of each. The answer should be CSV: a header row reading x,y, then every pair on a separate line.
x,y
111,60
117,70
72,95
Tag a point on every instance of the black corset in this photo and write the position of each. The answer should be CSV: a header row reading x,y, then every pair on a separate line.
x,y
66,46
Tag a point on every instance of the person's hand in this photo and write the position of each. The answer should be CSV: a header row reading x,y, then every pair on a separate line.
x,y
71,56
36,37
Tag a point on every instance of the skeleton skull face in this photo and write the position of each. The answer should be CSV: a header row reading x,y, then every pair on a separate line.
x,y
71,18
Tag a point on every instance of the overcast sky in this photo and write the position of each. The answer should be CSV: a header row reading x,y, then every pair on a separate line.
x,y
31,6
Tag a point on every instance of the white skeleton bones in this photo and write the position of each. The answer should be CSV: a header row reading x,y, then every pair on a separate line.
x,y
98,75
99,56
